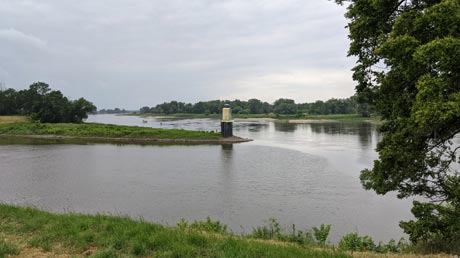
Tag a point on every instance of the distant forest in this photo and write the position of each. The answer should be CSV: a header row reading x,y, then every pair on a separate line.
x,y
254,106
113,111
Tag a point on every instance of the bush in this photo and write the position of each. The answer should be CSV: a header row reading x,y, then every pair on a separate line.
x,y
350,242
322,233
273,231
437,228
270,231
354,242
208,225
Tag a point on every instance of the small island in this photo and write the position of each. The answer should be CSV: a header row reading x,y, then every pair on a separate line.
x,y
92,132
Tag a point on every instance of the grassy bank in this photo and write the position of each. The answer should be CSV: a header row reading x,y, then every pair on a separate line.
x,y
30,232
101,130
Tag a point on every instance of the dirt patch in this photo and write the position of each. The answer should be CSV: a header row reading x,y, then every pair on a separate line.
x,y
13,119
28,251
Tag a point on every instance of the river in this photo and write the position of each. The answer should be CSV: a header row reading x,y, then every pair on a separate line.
x,y
303,174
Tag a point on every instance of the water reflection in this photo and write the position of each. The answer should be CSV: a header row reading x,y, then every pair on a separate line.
x,y
227,148
227,153
285,127
257,127
366,133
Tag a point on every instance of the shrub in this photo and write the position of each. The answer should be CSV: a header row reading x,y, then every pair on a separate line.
x,y
437,228
273,231
353,242
322,233
208,225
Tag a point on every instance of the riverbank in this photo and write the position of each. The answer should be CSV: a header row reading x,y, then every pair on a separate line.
x,y
92,132
27,232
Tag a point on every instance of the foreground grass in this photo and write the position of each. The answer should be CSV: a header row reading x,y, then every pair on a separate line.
x,y
7,249
101,130
106,236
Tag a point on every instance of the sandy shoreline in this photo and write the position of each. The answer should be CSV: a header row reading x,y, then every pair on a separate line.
x,y
229,140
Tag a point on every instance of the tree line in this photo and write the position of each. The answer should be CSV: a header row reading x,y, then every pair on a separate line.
x,y
44,105
255,106
112,111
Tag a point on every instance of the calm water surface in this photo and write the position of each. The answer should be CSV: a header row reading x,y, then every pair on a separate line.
x,y
303,174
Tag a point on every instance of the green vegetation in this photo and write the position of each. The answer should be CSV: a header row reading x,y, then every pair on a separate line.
x,y
208,226
113,111
273,231
322,233
7,249
102,130
354,242
409,67
31,230
44,105
257,107
106,236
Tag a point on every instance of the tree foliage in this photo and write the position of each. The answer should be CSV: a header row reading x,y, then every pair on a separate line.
x,y
255,106
408,65
113,111
44,104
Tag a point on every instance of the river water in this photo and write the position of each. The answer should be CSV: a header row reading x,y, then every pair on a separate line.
x,y
303,174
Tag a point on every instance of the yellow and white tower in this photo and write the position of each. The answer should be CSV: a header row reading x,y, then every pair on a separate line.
x,y
226,125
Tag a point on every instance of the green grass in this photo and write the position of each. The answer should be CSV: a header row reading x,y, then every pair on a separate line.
x,y
8,249
102,130
122,237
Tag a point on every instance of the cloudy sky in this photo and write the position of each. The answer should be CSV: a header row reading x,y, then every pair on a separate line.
x,y
128,54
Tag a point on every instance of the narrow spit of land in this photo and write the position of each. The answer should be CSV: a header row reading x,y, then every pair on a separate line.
x,y
92,132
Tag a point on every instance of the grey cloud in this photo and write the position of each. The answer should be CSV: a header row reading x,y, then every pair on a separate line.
x,y
17,37
134,53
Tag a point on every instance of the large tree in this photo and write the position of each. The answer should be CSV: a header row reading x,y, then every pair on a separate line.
x,y
408,65
44,105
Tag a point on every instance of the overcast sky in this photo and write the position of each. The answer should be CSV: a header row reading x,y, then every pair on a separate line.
x,y
128,54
